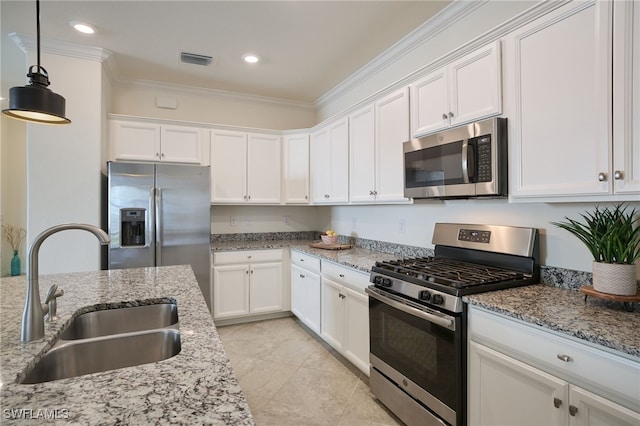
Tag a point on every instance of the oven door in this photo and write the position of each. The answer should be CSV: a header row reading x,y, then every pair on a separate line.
x,y
421,351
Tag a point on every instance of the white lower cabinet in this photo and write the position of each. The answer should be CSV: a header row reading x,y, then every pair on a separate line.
x,y
345,313
520,375
248,283
305,289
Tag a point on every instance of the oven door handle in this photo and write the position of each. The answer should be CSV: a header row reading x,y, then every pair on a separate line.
x,y
446,322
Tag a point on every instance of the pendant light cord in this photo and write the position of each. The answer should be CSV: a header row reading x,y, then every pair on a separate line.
x,y
38,31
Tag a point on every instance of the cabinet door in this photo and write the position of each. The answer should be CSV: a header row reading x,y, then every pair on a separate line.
x,y
356,339
265,294
181,144
626,98
296,169
339,163
230,291
504,391
476,83
133,141
228,166
362,153
320,162
562,81
298,292
430,103
588,409
332,318
392,130
263,169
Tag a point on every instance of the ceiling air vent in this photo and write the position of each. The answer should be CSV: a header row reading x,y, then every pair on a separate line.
x,y
194,58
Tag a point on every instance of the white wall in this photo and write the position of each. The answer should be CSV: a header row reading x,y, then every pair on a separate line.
x,y
256,219
64,164
558,247
212,107
13,152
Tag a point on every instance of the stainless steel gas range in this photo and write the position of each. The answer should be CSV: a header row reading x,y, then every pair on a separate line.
x,y
417,319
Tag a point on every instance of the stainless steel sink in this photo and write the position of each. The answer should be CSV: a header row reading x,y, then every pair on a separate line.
x,y
121,320
75,358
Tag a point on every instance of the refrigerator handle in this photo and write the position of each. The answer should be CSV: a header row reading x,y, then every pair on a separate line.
x,y
158,226
151,220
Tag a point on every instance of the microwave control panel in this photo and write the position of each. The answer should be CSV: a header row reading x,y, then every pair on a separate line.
x,y
483,158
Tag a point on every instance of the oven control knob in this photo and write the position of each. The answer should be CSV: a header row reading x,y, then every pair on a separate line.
x,y
386,282
424,295
437,299
377,279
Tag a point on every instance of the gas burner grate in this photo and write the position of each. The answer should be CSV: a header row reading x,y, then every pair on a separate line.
x,y
449,272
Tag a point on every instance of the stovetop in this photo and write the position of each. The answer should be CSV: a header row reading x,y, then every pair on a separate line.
x,y
448,272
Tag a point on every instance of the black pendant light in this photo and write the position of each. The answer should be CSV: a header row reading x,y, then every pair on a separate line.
x,y
35,102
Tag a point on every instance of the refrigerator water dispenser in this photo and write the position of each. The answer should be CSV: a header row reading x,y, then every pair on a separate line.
x,y
132,225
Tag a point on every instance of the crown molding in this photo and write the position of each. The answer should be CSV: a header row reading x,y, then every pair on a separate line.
x,y
216,93
434,26
57,47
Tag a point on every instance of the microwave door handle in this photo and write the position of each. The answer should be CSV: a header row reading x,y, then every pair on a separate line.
x,y
465,160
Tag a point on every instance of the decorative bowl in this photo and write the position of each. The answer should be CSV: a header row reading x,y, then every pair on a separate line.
x,y
329,239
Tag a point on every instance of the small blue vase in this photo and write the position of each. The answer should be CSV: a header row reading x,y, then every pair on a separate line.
x,y
15,264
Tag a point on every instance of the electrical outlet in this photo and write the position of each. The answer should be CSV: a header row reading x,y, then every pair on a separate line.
x,y
249,221
354,222
402,226
286,220
232,221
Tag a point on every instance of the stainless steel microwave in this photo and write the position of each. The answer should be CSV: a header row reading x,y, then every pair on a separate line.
x,y
462,162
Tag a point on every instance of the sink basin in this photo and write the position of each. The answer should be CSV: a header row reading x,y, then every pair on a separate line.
x,y
75,358
121,320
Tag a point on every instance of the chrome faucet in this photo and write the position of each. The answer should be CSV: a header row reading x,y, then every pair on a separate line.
x,y
34,311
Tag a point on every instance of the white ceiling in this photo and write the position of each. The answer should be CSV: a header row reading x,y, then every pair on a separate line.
x,y
307,47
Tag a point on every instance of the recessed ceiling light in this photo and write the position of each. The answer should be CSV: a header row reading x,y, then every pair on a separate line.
x,y
251,58
82,27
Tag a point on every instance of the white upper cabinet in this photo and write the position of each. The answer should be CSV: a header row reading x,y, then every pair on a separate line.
x,y
148,141
296,168
466,90
330,163
376,135
560,81
626,97
245,168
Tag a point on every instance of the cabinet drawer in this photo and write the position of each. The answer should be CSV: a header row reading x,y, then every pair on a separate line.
x,y
347,276
247,256
600,371
306,261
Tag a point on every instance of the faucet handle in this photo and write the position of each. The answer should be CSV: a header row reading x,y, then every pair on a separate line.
x,y
50,306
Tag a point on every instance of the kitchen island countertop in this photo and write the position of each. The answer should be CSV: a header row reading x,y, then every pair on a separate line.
x,y
197,386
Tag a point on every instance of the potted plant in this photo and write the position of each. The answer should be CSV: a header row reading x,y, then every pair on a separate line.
x,y
612,235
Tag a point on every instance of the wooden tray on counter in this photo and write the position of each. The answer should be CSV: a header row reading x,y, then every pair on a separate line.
x,y
628,301
336,246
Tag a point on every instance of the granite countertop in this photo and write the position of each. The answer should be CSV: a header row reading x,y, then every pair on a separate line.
x,y
565,311
196,386
356,257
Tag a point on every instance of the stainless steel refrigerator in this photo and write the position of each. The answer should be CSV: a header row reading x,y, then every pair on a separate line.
x,y
158,215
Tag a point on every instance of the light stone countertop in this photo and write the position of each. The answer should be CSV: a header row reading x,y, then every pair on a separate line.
x,y
548,305
564,311
197,386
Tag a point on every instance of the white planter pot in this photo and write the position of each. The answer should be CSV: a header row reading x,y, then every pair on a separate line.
x,y
614,278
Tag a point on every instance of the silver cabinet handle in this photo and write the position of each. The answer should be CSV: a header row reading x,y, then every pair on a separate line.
x,y
602,177
370,192
444,116
341,275
248,197
573,410
565,358
158,154
557,402
450,115
301,276
162,155
618,175
326,195
306,197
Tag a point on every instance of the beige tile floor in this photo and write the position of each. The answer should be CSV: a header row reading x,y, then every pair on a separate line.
x,y
291,377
